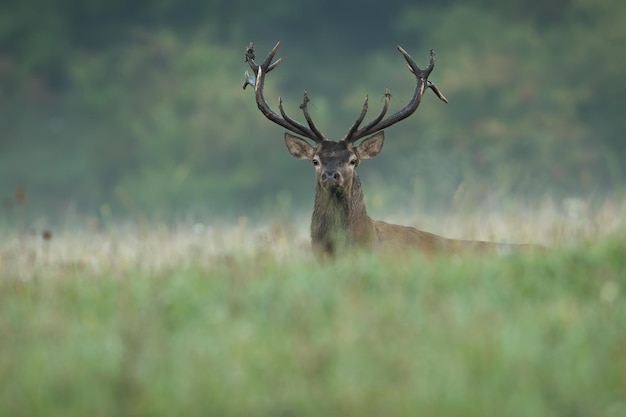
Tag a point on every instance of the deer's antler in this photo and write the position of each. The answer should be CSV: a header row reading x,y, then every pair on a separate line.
x,y
378,123
257,80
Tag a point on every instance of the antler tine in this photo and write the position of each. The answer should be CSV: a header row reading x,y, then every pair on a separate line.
x,y
307,116
250,52
437,92
359,120
268,61
295,124
258,82
428,70
274,65
250,57
422,84
411,62
368,127
431,64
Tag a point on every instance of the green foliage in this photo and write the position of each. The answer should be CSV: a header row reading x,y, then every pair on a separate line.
x,y
367,335
139,107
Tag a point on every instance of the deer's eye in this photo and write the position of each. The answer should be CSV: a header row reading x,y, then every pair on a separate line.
x,y
315,162
353,161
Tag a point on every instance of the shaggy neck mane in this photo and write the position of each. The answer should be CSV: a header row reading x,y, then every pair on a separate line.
x,y
340,218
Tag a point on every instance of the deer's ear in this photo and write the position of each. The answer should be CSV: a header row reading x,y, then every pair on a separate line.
x,y
298,147
371,146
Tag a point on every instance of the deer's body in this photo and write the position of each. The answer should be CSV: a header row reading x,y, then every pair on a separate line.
x,y
340,223
340,220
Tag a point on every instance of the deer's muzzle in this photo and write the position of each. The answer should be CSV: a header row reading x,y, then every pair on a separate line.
x,y
331,178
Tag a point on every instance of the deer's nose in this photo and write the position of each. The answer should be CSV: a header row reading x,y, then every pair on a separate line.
x,y
331,176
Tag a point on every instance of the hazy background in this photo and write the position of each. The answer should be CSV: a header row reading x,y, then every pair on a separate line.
x,y
121,109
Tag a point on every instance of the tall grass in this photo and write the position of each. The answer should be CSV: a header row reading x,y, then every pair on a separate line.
x,y
241,320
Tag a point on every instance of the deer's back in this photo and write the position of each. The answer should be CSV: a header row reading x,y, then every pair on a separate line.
x,y
393,236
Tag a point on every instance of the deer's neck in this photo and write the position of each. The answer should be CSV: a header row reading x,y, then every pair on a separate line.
x,y
340,219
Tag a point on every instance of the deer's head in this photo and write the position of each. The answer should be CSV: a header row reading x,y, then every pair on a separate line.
x,y
335,162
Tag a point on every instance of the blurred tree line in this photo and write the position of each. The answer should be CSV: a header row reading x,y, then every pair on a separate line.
x,y
138,107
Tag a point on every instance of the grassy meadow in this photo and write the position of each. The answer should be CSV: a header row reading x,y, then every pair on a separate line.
x,y
206,320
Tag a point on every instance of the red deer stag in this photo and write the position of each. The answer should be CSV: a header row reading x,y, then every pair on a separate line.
x,y
339,218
